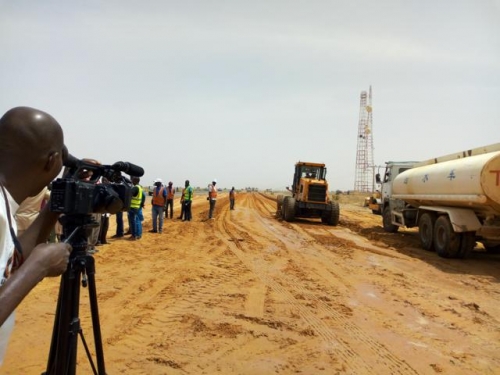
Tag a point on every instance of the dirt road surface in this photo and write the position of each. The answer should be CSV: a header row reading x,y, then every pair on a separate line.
x,y
247,293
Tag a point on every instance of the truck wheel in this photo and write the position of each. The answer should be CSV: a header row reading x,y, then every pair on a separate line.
x,y
467,244
279,203
446,241
289,207
426,230
333,218
387,221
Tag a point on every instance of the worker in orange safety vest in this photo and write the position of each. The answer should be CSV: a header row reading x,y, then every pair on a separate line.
x,y
212,197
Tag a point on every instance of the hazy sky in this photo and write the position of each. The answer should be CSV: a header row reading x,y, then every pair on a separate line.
x,y
241,90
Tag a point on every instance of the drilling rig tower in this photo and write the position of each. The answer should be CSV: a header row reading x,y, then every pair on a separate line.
x,y
365,168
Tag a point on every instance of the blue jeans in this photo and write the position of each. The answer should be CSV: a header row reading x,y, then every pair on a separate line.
x,y
139,218
132,216
157,212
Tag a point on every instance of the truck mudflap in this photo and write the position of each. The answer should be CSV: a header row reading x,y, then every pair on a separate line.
x,y
462,219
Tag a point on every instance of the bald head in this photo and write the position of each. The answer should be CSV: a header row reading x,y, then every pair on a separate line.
x,y
31,147
28,133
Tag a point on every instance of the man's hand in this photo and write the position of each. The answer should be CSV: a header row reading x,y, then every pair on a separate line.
x,y
85,174
52,258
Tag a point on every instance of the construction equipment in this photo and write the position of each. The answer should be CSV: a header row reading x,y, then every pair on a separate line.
x,y
374,203
310,198
454,200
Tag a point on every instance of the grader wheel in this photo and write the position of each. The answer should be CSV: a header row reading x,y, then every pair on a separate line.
x,y
279,205
334,214
289,209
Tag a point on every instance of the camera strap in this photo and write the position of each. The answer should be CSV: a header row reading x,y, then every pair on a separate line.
x,y
18,252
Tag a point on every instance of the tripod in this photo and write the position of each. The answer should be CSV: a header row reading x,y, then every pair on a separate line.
x,y
81,268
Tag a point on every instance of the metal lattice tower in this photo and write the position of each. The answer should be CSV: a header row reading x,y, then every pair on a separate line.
x,y
364,155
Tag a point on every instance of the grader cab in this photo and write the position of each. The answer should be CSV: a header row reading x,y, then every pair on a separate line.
x,y
310,197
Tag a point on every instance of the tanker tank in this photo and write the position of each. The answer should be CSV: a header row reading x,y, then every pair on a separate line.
x,y
472,182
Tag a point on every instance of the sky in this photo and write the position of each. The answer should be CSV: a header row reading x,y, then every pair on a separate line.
x,y
239,91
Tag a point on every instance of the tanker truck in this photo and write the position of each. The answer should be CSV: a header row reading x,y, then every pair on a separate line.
x,y
454,200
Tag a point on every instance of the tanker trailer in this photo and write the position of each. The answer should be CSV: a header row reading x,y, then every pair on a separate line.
x,y
454,202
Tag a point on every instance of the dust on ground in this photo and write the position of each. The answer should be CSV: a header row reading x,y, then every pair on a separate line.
x,y
247,293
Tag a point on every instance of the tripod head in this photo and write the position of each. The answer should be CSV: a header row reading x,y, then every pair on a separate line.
x,y
77,229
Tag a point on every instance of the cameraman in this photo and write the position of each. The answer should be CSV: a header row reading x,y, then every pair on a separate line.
x,y
32,152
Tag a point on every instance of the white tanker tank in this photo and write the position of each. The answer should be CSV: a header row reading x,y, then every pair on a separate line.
x,y
454,200
473,182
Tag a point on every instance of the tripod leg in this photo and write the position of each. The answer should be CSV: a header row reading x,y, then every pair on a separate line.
x,y
90,267
62,356
55,331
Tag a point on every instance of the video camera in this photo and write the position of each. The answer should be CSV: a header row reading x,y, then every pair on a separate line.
x,y
71,195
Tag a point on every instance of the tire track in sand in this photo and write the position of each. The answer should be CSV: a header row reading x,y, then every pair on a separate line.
x,y
288,289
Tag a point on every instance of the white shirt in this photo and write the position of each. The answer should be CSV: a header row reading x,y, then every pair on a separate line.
x,y
212,188
6,252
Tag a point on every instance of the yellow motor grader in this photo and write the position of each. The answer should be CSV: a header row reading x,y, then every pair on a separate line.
x,y
310,197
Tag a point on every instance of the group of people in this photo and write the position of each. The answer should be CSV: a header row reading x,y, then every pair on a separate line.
x,y
26,257
162,203
134,214
163,198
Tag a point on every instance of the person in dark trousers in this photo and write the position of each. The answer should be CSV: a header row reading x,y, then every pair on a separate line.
x,y
182,205
232,195
188,199
170,200
119,225
212,198
103,230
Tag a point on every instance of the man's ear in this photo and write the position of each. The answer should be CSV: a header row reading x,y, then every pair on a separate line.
x,y
51,161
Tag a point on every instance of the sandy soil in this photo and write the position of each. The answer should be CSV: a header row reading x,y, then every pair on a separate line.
x,y
247,293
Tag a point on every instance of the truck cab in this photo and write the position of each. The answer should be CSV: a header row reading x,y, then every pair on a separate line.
x,y
392,169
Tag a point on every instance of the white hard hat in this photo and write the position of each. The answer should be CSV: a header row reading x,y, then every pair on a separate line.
x,y
214,180
158,180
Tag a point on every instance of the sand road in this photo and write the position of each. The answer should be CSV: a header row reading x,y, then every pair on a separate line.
x,y
247,293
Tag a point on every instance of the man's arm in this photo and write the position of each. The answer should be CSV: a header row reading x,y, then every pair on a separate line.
x,y
39,231
45,260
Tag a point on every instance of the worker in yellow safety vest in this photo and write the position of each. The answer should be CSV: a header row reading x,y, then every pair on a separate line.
x,y
135,216
188,199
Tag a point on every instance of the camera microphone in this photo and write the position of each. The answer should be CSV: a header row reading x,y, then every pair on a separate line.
x,y
129,168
